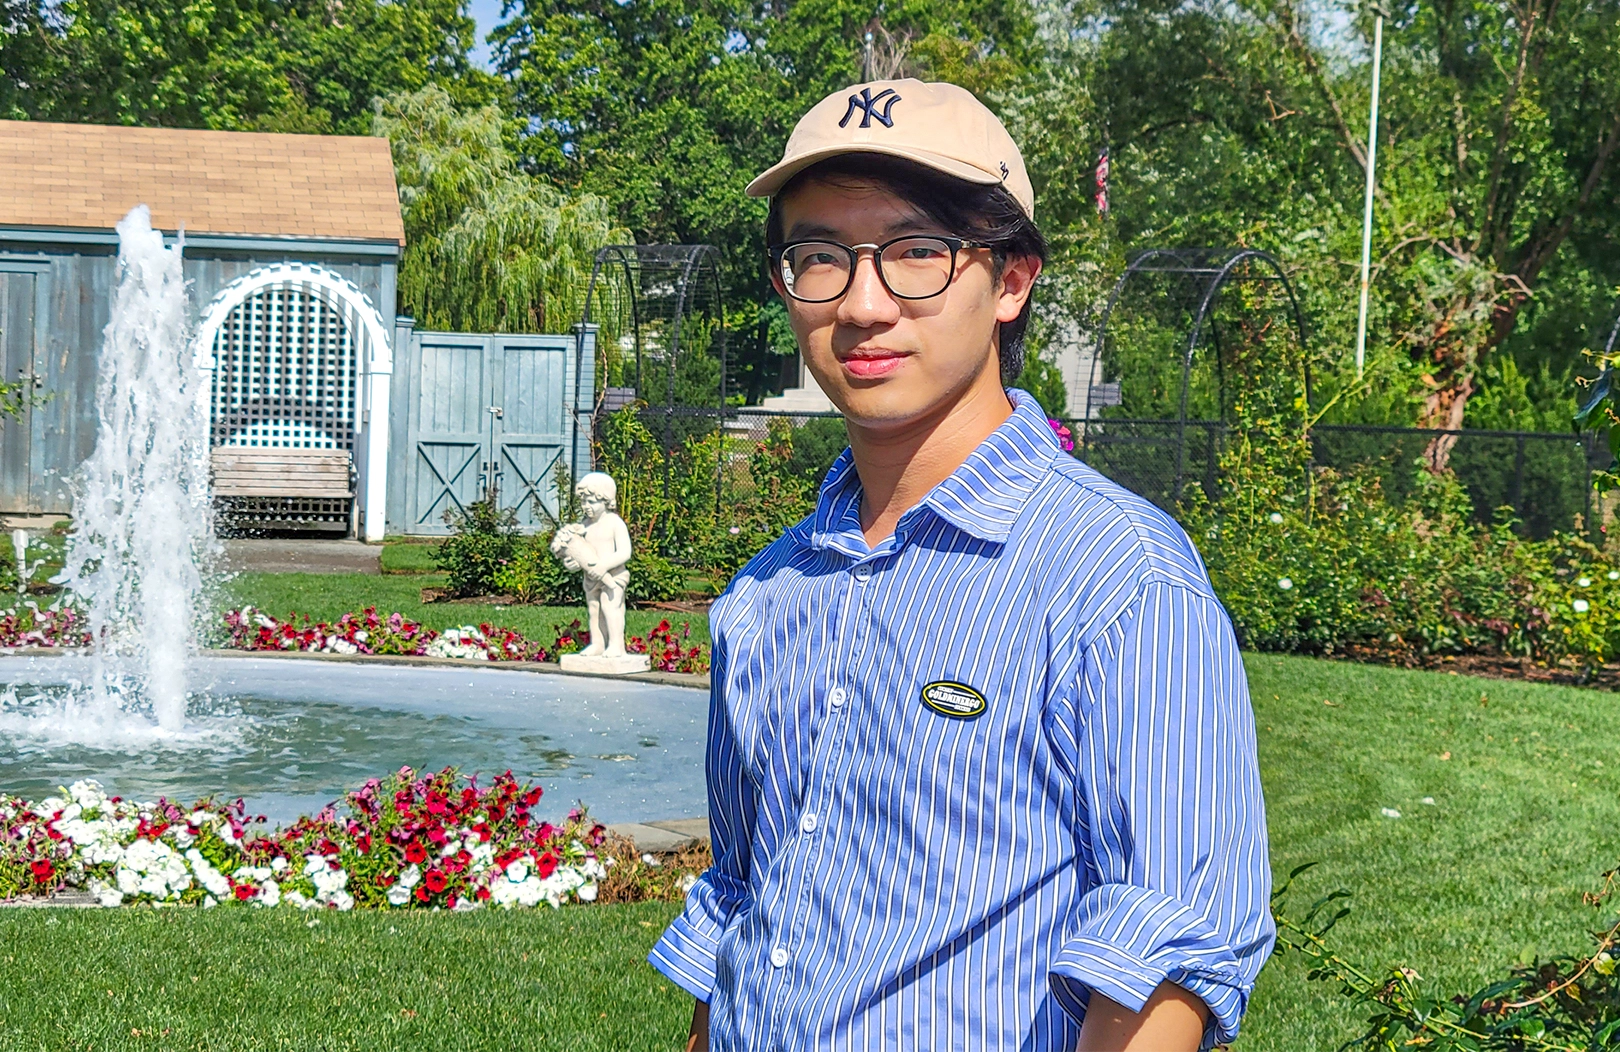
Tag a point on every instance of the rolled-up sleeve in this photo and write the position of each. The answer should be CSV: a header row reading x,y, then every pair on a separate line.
x,y
1169,826
688,950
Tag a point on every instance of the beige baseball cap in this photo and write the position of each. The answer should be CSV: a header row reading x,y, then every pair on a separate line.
x,y
940,126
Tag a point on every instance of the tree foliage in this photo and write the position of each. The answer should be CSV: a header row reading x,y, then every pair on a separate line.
x,y
488,248
271,65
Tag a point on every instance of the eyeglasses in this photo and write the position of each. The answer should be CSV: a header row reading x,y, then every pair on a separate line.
x,y
911,268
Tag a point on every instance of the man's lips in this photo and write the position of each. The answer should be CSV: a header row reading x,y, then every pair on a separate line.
x,y
870,363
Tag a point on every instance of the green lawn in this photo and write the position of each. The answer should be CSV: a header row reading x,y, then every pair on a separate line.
x,y
1526,816
242,981
328,596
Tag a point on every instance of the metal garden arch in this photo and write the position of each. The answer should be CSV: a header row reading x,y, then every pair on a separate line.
x,y
636,288
1212,269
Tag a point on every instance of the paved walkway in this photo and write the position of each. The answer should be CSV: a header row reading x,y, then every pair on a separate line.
x,y
659,837
296,555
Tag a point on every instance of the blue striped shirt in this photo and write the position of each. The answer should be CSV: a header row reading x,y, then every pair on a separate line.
x,y
892,871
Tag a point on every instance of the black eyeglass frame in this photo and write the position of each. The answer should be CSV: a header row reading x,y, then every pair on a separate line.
x,y
955,244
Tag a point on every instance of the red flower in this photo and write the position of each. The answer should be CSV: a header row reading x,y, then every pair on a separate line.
x,y
532,797
483,895
245,892
363,844
546,865
435,881
415,852
384,880
436,835
43,870
421,894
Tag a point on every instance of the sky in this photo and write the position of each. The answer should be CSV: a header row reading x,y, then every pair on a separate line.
x,y
486,13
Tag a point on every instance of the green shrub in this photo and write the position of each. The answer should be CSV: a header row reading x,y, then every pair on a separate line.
x,y
1320,562
654,579
483,537
533,575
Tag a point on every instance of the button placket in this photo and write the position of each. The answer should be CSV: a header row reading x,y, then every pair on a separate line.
x,y
801,851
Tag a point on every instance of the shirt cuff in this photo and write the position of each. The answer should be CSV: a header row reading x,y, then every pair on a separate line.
x,y
690,947
1129,940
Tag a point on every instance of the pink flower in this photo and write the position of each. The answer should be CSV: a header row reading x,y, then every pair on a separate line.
x,y
1065,437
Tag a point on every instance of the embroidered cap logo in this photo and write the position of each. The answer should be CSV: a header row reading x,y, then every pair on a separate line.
x,y
871,106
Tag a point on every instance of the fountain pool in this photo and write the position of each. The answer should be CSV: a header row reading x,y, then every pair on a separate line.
x,y
290,736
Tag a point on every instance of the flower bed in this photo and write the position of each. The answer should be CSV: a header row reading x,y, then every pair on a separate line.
x,y
368,632
408,841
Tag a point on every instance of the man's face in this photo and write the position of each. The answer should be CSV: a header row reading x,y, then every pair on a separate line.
x,y
884,361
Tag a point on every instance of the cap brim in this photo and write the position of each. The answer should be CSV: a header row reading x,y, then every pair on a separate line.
x,y
773,179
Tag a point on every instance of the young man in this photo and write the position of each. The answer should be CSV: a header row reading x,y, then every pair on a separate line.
x,y
981,760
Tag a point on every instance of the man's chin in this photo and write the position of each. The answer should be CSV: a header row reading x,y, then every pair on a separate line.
x,y
882,406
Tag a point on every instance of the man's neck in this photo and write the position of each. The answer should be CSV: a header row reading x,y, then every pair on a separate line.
x,y
898,467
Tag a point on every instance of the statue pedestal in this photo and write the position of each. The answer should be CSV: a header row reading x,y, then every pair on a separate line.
x,y
601,665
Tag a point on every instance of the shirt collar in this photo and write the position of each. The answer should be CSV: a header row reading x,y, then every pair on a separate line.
x,y
982,497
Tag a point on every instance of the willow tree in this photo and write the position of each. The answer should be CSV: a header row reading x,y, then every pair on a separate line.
x,y
488,247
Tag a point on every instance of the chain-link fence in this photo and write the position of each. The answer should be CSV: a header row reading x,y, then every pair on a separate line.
x,y
1544,478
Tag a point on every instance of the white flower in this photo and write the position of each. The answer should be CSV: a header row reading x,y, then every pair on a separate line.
x,y
1584,582
1429,800
399,894
1389,812
517,872
1276,518
278,864
464,905
587,892
411,877
736,530
1284,583
687,880
1614,575
651,860
1581,606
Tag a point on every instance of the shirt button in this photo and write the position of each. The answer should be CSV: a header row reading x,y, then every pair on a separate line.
x,y
836,698
779,957
863,574
809,822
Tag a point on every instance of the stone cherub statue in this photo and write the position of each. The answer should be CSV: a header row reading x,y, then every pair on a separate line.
x,y
600,549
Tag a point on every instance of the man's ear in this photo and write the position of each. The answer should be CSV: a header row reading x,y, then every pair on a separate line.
x,y
1018,276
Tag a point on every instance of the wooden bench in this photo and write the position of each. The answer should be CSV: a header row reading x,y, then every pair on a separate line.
x,y
283,489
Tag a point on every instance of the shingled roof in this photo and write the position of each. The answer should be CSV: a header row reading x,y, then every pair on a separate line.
x,y
87,176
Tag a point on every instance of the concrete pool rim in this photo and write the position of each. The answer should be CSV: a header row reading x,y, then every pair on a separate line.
x,y
698,681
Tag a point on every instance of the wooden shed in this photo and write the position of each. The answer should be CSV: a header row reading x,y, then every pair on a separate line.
x,y
292,247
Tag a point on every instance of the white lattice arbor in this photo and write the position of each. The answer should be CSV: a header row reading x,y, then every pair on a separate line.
x,y
299,359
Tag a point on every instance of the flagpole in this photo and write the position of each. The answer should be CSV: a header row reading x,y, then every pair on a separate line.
x,y
1367,202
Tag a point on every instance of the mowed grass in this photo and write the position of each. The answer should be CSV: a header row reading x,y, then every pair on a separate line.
x,y
325,597
1526,816
246,980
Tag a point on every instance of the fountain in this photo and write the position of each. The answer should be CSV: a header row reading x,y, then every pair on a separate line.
x,y
147,715
141,511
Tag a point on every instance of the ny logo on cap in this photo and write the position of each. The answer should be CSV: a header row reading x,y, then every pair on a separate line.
x,y
871,106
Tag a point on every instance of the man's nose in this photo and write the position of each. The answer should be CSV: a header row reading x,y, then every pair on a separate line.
x,y
867,302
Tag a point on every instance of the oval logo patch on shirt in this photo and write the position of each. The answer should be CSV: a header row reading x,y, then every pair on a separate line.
x,y
953,699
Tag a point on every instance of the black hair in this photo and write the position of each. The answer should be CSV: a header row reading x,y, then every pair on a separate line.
x,y
974,211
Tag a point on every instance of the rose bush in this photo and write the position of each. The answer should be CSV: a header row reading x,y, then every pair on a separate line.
x,y
408,841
